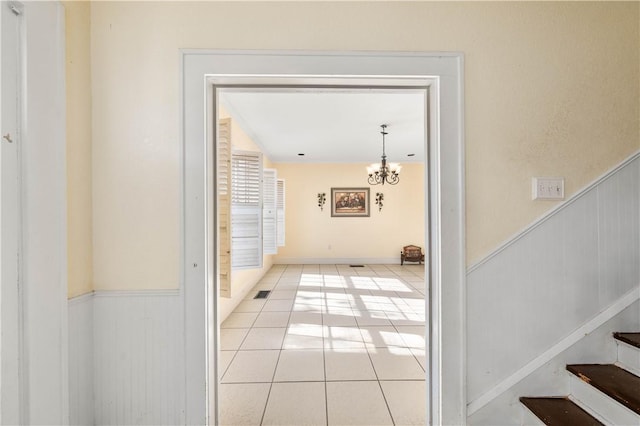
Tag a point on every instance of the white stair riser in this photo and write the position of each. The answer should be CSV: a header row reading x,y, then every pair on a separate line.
x,y
600,405
629,357
530,419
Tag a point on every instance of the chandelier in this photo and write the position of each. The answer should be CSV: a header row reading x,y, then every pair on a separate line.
x,y
383,172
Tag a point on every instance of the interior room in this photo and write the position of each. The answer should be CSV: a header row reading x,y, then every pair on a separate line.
x,y
340,316
113,304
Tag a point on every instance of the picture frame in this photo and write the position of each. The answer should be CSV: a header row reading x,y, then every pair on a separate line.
x,y
350,202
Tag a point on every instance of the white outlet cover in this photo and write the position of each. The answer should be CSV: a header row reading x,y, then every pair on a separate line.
x,y
547,188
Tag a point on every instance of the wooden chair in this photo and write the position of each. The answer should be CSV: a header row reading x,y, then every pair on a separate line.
x,y
411,254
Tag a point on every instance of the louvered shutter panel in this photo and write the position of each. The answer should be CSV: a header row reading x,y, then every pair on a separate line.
x,y
269,193
224,205
280,213
246,210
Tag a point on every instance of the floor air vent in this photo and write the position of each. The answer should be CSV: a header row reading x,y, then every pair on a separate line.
x,y
262,294
357,266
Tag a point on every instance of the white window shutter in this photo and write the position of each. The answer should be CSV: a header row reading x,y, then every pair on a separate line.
x,y
280,213
246,210
269,196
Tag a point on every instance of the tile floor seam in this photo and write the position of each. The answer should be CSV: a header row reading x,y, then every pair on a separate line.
x,y
221,376
324,365
234,356
410,349
324,349
266,404
384,396
250,383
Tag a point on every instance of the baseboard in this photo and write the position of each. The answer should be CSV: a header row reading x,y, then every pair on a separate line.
x,y
588,327
338,261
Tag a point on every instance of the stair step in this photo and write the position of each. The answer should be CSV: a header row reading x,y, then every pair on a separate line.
x,y
612,380
632,339
605,409
628,358
559,411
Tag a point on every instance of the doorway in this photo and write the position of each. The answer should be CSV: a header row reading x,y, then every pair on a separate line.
x,y
442,75
328,329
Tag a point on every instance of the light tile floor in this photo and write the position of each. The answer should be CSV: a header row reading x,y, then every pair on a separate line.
x,y
331,345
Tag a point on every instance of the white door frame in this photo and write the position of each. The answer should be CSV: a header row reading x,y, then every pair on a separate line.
x,y
12,365
442,74
39,308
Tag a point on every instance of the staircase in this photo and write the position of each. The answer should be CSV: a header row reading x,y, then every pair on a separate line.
x,y
601,394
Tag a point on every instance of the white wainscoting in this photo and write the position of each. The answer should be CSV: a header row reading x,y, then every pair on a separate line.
x,y
126,358
551,280
139,358
81,360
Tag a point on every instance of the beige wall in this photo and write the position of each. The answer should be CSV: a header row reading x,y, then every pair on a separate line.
x,y
551,88
79,204
314,234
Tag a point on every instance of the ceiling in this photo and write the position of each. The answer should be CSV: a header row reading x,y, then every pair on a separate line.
x,y
331,125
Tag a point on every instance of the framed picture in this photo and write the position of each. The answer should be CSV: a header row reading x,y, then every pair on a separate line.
x,y
349,202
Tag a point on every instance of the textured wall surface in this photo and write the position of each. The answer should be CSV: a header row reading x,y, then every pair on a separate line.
x,y
551,88
314,235
79,195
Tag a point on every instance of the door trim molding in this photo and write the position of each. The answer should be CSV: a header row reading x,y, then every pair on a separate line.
x,y
43,387
442,73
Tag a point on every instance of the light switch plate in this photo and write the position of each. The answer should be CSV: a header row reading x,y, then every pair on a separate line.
x,y
547,188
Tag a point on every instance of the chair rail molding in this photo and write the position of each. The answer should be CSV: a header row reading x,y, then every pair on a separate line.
x,y
565,204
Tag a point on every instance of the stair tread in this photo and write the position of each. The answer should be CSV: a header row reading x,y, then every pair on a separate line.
x,y
559,411
614,381
632,339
